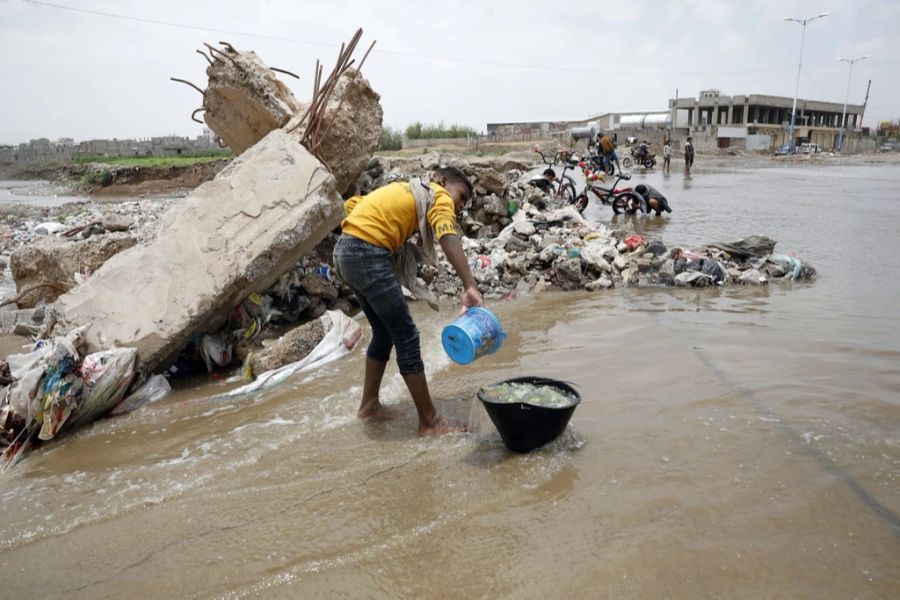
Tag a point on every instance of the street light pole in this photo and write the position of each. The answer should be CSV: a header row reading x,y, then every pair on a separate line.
x,y
803,23
840,144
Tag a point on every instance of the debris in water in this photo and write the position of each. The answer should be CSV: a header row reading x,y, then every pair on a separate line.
x,y
537,395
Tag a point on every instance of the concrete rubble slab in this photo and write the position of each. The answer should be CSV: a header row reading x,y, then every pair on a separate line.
x,y
53,262
244,100
231,237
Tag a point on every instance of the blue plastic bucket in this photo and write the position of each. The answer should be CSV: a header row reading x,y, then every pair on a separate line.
x,y
476,333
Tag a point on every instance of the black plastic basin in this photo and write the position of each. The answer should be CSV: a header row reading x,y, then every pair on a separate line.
x,y
524,427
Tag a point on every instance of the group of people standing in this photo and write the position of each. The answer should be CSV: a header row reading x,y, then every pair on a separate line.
x,y
668,152
607,147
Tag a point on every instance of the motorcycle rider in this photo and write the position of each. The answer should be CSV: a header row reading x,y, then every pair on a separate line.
x,y
643,151
648,193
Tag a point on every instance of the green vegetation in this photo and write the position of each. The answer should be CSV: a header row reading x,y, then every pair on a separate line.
x,y
391,139
155,161
102,177
418,131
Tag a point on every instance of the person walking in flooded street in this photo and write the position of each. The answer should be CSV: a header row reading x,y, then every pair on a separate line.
x,y
688,155
376,228
667,156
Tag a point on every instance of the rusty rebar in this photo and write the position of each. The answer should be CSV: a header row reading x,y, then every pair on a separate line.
x,y
186,82
285,71
195,119
203,54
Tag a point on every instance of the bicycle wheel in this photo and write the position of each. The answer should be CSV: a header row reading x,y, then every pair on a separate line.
x,y
567,192
581,202
610,168
626,203
627,162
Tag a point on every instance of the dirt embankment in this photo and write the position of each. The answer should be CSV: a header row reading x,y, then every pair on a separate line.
x,y
142,181
111,180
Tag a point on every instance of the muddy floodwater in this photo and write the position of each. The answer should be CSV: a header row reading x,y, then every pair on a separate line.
x,y
740,443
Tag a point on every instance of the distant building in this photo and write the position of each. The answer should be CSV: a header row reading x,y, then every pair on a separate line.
x,y
528,129
759,122
64,150
633,119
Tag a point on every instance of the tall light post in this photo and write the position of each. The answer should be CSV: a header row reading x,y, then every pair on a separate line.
x,y
840,144
802,22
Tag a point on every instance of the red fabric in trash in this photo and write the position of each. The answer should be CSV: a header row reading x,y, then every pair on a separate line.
x,y
634,241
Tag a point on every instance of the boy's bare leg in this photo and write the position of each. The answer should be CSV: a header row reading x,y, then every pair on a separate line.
x,y
430,422
371,407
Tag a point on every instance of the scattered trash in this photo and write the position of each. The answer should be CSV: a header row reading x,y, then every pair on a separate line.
x,y
342,336
155,388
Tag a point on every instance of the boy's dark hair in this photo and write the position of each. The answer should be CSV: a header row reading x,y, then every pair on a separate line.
x,y
454,174
549,173
690,139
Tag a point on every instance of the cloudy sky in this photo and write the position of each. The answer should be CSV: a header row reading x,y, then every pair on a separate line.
x,y
80,74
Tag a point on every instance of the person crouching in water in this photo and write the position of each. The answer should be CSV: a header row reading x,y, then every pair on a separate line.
x,y
651,199
378,225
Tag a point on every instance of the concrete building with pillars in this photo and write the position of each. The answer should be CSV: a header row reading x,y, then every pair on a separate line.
x,y
759,122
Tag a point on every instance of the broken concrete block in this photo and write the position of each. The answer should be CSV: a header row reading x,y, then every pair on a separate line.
x,y
55,261
113,222
350,128
25,322
604,283
232,236
295,345
244,100
492,181
568,273
524,228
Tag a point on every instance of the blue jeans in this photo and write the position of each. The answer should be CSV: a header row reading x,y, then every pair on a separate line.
x,y
366,269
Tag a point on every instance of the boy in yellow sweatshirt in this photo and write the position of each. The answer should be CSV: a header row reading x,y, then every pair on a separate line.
x,y
376,226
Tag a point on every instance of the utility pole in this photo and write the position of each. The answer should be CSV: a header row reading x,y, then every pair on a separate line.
x,y
803,23
840,144
865,103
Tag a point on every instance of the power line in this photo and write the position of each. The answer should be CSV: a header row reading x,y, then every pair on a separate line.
x,y
396,52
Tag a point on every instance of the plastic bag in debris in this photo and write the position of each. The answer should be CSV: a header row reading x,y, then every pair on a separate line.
x,y
633,241
215,350
754,245
107,376
714,269
60,393
155,388
48,228
656,248
796,267
24,395
342,337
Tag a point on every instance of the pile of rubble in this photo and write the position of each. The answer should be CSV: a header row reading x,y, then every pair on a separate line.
x,y
518,239
239,272
225,262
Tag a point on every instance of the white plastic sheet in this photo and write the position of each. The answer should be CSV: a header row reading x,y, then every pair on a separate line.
x,y
342,337
155,388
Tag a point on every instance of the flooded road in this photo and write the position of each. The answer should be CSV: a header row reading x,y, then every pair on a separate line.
x,y
35,193
731,443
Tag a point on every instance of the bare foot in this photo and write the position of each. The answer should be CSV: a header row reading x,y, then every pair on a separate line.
x,y
442,426
376,411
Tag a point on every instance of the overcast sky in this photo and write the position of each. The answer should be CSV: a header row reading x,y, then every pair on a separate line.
x,y
81,75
